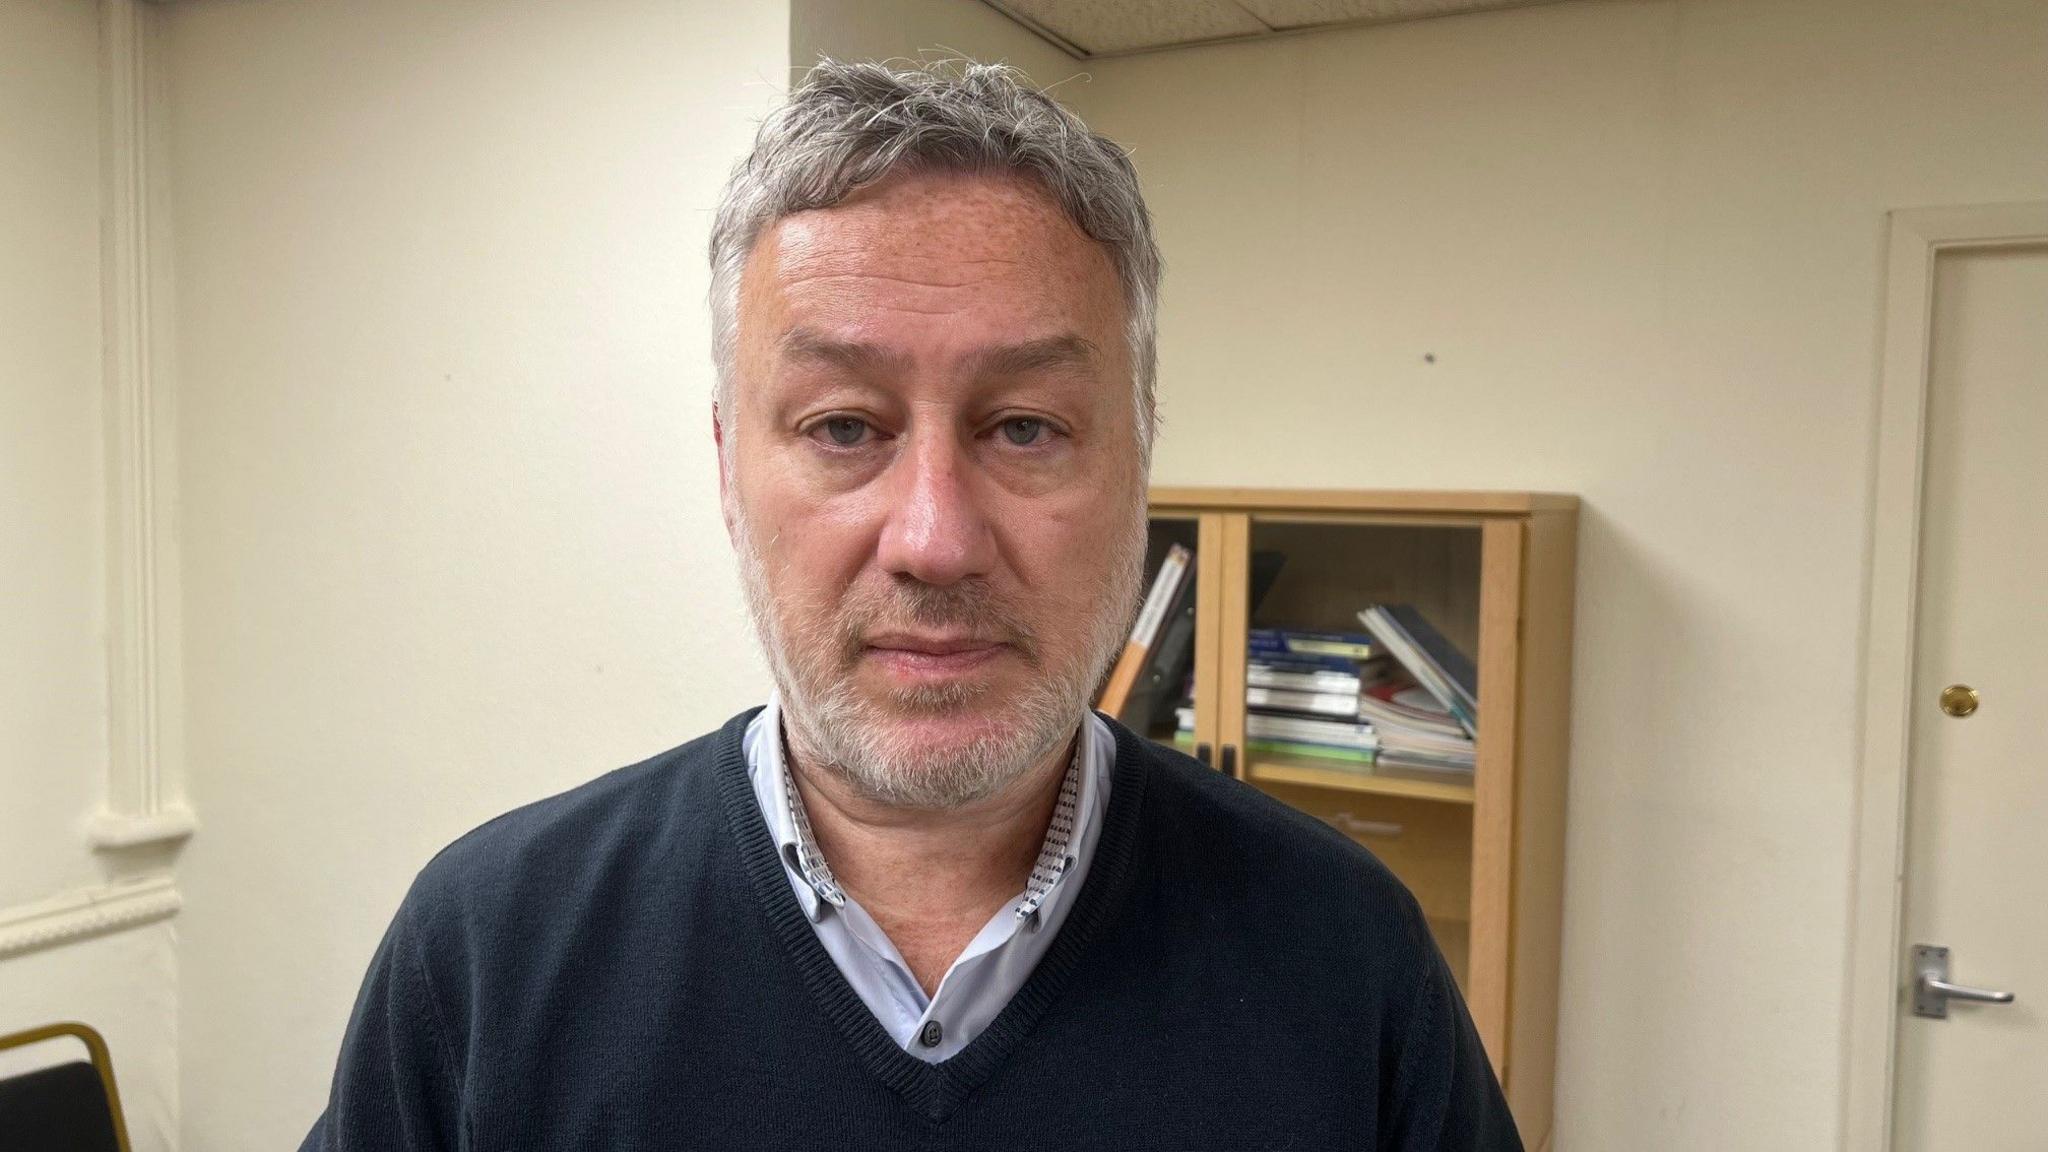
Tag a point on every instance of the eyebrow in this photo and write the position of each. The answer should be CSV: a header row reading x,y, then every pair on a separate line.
x,y
852,355
1067,351
1050,352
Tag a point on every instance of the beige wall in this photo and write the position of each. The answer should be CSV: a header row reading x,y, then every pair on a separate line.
x,y
53,619
452,531
1642,242
53,670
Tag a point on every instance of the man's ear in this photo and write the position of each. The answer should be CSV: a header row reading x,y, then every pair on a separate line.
x,y
724,481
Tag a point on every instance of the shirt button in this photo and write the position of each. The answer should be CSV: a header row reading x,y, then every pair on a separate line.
x,y
931,1034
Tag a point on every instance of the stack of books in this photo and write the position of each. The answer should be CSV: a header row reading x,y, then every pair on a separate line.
x,y
1428,716
1302,693
1397,695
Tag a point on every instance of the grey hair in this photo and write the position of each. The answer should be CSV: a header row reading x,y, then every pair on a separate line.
x,y
849,125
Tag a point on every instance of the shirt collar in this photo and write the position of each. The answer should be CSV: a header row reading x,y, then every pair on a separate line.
x,y
783,807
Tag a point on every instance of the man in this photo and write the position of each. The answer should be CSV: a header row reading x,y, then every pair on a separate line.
x,y
925,897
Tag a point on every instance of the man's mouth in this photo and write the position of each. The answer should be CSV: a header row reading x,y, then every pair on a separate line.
x,y
920,655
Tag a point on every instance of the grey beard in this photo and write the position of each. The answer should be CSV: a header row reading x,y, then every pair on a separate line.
x,y
830,726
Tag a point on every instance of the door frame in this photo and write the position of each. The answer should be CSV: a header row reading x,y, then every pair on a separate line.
x,y
1891,578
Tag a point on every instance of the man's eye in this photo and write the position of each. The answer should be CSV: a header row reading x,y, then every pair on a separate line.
x,y
1023,431
845,431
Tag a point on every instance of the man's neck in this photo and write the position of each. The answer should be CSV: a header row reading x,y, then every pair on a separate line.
x,y
930,878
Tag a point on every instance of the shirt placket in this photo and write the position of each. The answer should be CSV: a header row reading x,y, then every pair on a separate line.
x,y
1055,858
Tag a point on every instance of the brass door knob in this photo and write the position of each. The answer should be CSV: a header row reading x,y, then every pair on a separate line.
x,y
1959,700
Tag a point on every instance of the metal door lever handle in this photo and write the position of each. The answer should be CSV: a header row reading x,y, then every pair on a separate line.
x,y
1932,991
1964,991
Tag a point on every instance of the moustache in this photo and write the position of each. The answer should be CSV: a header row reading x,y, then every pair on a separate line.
x,y
970,607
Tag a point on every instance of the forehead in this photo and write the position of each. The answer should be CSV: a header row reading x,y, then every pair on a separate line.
x,y
994,252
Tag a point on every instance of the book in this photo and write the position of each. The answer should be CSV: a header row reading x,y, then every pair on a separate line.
x,y
1167,676
1441,746
1304,730
1442,654
1433,661
1400,702
1436,744
1176,567
1286,661
1314,702
1311,733
1300,642
1297,678
1329,646
1314,751
1405,758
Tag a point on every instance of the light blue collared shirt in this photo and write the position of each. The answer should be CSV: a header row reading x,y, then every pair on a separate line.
x,y
995,964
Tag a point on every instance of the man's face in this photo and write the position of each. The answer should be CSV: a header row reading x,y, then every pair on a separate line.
x,y
934,480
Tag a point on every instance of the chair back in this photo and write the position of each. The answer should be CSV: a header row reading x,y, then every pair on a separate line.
x,y
69,1107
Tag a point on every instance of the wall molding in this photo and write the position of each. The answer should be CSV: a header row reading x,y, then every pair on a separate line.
x,y
86,913
141,803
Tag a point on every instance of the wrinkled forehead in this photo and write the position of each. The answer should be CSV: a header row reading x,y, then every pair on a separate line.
x,y
950,258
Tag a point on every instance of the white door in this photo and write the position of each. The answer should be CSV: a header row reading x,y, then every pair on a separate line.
x,y
1977,809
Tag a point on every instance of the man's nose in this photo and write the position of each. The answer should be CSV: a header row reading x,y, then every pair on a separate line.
x,y
937,530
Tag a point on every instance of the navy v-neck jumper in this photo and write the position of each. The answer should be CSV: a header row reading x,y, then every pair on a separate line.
x,y
624,967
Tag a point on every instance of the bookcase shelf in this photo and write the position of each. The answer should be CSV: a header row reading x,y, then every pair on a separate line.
x,y
1266,768
1493,573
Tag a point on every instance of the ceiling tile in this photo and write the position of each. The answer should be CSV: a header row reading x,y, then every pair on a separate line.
x,y
1096,26
1307,13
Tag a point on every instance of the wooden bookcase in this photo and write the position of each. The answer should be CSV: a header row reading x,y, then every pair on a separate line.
x,y
1484,855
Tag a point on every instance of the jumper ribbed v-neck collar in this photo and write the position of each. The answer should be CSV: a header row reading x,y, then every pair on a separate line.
x,y
934,1090
1003,952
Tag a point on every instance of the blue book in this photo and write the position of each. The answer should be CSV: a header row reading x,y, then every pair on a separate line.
x,y
1307,644
1297,662
1441,652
